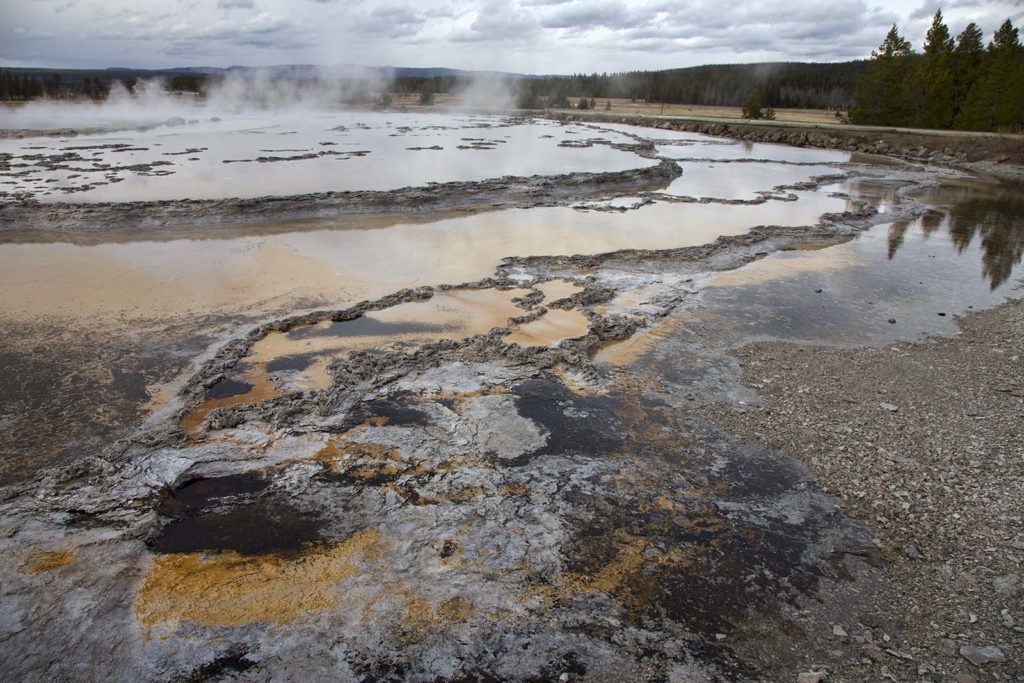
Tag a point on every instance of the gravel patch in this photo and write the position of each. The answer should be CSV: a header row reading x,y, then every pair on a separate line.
x,y
924,444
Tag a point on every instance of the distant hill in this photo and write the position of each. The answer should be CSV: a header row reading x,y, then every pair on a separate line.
x,y
311,70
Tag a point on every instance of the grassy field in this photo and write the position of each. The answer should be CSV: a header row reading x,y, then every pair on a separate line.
x,y
624,106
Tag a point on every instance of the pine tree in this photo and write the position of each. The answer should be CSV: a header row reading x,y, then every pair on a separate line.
x,y
968,56
930,94
1007,73
880,95
994,102
752,105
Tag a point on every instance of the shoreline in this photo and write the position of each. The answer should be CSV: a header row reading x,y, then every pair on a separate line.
x,y
921,442
988,154
508,192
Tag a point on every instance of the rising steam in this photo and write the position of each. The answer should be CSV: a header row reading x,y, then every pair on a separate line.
x,y
149,103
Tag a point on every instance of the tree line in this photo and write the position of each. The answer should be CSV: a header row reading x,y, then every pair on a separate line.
x,y
16,87
953,83
788,84
779,85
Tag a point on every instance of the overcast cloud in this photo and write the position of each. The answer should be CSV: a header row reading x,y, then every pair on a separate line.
x,y
529,36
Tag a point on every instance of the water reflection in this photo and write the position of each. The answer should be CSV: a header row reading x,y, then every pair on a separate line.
x,y
991,219
336,268
896,281
287,153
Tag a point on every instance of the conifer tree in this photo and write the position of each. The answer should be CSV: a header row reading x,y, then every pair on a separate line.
x,y
1007,71
968,56
930,95
752,106
880,95
994,101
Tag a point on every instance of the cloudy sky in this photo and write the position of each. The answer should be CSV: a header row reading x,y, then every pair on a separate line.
x,y
527,36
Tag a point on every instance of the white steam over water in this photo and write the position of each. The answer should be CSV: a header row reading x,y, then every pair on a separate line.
x,y
317,89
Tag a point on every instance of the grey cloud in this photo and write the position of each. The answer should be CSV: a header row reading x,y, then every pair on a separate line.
x,y
388,21
499,21
775,28
926,10
582,15
32,34
545,36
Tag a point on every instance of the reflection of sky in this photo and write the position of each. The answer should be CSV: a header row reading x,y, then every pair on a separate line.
x,y
976,220
713,148
740,181
343,266
522,149
949,261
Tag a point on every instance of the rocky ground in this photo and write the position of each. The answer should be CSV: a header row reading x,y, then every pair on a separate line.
x,y
924,444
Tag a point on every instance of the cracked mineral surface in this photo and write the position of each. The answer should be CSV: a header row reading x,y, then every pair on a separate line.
x,y
488,446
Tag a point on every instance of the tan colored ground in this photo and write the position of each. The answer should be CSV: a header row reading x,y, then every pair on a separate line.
x,y
639,107
228,589
43,561
623,106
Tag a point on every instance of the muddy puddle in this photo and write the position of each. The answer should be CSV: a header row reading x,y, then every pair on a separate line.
x,y
298,359
556,290
550,329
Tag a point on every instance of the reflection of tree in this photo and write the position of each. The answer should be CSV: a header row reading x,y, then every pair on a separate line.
x,y
931,221
997,218
897,233
999,221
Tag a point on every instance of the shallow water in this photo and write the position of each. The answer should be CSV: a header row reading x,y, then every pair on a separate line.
x,y
675,144
741,181
965,253
299,358
719,150
287,154
337,267
899,281
303,354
